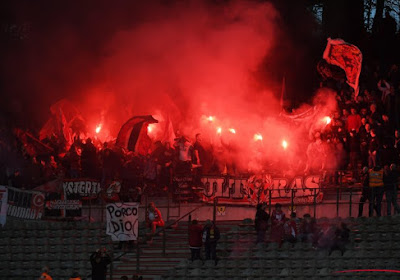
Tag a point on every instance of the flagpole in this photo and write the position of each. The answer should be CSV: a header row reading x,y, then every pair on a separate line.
x,y
283,89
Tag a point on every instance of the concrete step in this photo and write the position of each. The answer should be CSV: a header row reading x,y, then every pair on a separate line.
x,y
149,266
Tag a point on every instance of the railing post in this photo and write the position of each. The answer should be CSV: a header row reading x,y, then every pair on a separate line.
x,y
90,209
164,241
215,210
270,201
168,196
315,202
102,211
145,204
111,270
137,256
189,223
292,201
350,202
337,202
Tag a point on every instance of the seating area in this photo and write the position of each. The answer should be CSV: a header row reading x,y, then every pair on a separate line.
x,y
27,246
65,247
375,244
153,264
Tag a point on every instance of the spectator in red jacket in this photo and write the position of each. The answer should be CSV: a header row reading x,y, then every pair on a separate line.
x,y
153,218
353,121
195,239
277,221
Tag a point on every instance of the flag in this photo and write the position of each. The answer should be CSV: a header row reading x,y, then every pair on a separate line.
x,y
133,134
32,145
346,56
64,121
65,131
169,134
54,186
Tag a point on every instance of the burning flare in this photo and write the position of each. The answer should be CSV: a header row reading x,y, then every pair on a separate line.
x,y
219,130
284,144
150,128
210,118
98,128
258,137
232,130
327,120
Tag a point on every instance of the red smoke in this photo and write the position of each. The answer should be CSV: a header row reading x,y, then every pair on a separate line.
x,y
194,64
198,65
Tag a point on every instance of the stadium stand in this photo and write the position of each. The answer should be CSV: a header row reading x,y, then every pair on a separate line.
x,y
25,247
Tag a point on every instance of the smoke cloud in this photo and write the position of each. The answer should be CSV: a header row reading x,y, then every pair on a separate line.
x,y
183,61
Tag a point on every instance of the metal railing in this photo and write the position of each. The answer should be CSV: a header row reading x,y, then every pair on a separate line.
x,y
342,197
162,230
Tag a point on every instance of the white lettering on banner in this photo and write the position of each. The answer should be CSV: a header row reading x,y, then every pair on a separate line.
x,y
83,188
24,213
242,189
122,221
64,204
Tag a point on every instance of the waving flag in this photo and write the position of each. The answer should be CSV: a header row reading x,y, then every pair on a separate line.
x,y
133,134
346,56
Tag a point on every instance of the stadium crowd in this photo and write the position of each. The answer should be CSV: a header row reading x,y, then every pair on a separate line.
x,y
364,131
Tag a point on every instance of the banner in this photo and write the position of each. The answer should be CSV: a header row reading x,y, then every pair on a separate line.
x,y
25,204
81,189
346,56
3,205
64,205
122,221
256,189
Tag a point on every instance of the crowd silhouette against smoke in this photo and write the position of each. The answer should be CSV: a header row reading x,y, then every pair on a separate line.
x,y
227,70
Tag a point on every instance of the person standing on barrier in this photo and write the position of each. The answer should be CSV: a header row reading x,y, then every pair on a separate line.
x,y
376,185
391,182
366,191
261,222
211,236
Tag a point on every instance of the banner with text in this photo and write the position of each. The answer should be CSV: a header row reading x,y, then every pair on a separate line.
x,y
3,205
64,204
257,189
122,221
81,189
25,204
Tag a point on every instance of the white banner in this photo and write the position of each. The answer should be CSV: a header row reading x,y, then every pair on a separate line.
x,y
3,204
122,221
